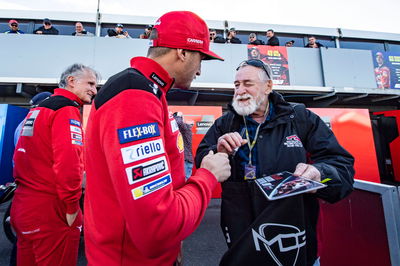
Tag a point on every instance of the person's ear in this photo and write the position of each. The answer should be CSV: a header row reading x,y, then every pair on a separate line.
x,y
181,54
269,87
70,81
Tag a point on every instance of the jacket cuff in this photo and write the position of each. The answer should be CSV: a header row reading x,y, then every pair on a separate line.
x,y
211,179
72,207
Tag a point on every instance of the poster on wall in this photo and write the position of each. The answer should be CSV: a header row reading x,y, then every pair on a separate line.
x,y
387,69
276,57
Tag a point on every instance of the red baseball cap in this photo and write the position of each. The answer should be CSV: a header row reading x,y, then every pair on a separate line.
x,y
185,30
12,21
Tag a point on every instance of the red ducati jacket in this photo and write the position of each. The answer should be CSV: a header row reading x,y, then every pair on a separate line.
x,y
48,156
138,207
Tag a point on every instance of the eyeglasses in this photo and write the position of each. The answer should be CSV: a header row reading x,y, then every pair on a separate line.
x,y
14,25
255,63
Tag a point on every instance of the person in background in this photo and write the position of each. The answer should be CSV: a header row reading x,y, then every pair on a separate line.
x,y
13,24
231,37
263,135
216,38
312,43
80,31
138,206
46,29
147,32
186,131
118,32
272,39
35,101
253,39
289,43
48,172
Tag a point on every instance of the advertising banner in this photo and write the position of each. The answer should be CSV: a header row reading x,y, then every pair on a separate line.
x,y
387,69
276,57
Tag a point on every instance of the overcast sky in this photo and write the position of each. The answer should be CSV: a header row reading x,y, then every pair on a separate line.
x,y
370,15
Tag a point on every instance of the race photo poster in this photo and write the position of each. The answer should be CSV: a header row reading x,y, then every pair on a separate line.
x,y
387,69
276,57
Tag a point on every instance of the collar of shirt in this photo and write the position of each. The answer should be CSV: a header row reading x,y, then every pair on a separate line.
x,y
68,94
153,71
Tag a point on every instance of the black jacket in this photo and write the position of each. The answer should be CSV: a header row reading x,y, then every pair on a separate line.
x,y
233,40
257,42
273,41
318,141
51,31
317,43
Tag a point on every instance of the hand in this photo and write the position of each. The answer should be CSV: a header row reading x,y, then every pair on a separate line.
x,y
71,218
229,142
39,32
218,164
308,171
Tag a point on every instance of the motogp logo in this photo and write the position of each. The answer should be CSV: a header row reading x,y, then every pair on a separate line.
x,y
280,241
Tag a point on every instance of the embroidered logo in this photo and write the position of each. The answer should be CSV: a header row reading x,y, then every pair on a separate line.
x,y
293,141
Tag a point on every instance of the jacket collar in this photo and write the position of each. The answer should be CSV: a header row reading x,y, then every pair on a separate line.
x,y
153,71
67,94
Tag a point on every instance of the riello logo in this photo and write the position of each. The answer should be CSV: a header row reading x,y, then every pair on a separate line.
x,y
281,241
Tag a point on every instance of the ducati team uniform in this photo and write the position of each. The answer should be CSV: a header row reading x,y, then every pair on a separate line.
x,y
382,76
279,232
138,207
48,171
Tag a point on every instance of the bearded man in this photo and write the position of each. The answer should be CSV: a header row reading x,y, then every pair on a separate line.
x,y
264,135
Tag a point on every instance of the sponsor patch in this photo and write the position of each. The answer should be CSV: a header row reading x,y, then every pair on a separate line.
x,y
179,143
157,79
142,151
151,187
138,132
146,170
293,141
75,122
174,126
77,142
76,129
76,136
28,127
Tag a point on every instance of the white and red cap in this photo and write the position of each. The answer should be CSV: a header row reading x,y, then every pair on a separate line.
x,y
185,30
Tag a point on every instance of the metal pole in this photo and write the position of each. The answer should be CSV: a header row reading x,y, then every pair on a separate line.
x,y
98,18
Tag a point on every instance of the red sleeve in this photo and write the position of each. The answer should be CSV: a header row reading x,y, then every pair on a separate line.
x,y
67,143
158,216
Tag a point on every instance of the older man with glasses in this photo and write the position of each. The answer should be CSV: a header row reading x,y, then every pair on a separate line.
x,y
13,24
264,135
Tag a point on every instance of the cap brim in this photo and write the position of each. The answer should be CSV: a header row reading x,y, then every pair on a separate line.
x,y
212,56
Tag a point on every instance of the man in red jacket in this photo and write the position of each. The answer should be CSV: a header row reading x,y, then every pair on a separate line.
x,y
138,207
48,171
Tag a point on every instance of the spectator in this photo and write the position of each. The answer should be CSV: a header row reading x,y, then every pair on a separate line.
x,y
80,31
118,32
138,207
147,32
13,24
253,39
216,38
289,43
46,29
48,170
231,38
312,43
186,131
272,39
274,136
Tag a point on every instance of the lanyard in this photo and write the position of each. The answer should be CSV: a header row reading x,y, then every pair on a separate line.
x,y
253,143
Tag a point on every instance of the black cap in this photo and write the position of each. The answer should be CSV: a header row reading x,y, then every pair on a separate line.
x,y
46,20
